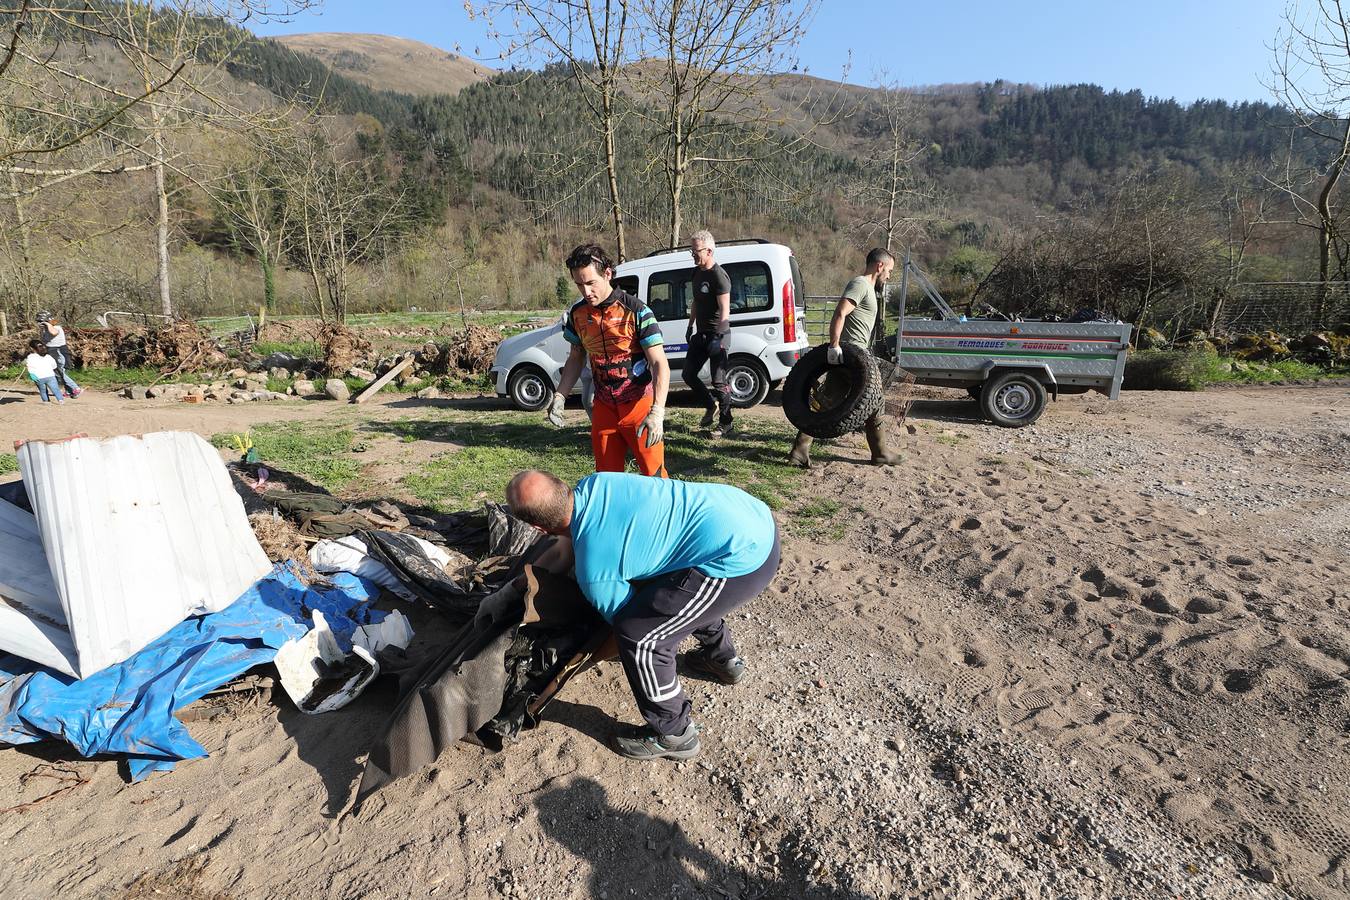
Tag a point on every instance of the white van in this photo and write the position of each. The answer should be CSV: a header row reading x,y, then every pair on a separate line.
x,y
767,329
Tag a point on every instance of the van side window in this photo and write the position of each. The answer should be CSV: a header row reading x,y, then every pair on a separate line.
x,y
627,283
751,287
670,292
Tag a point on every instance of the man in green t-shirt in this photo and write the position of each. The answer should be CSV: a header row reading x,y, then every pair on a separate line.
x,y
854,318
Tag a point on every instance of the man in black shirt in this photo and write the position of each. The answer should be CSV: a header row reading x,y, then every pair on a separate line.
x,y
709,333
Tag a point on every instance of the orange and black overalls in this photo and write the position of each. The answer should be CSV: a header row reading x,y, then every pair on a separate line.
x,y
614,335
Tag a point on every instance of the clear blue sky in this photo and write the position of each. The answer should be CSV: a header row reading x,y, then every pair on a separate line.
x,y
1171,48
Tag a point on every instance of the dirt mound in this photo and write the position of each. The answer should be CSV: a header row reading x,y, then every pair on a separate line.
x,y
469,350
98,347
14,347
342,348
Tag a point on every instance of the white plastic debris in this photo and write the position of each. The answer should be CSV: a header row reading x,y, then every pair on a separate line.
x,y
317,675
395,631
349,554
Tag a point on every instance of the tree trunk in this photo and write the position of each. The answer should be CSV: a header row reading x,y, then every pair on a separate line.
x,y
612,169
676,177
1324,208
162,230
269,273
27,279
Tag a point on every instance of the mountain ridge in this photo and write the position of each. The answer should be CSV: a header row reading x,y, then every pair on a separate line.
x,y
390,63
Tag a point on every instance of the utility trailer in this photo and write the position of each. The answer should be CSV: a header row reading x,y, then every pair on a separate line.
x,y
1010,366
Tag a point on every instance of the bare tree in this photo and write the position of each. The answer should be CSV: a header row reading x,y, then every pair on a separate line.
x,y
895,193
703,86
345,213
256,199
591,38
65,119
1311,76
1245,203
1144,243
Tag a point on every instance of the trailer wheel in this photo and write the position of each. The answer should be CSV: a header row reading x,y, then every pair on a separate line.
x,y
1013,399
828,401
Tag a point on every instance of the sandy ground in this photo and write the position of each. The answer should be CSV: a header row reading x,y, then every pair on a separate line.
x,y
1104,657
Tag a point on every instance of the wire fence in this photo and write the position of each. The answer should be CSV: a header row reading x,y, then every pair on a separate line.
x,y
1288,307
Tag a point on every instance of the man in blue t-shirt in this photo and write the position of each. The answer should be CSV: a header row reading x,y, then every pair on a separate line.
x,y
661,560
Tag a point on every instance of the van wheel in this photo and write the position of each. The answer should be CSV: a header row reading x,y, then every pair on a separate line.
x,y
1013,399
748,380
529,388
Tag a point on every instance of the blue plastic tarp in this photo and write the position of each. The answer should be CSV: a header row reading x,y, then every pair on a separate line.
x,y
127,709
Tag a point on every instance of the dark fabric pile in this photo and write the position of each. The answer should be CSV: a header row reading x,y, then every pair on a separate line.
x,y
527,628
498,673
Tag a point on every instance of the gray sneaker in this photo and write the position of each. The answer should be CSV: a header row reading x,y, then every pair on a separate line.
x,y
645,743
708,417
730,672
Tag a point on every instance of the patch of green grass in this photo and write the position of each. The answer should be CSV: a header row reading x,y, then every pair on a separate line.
x,y
818,520
1222,370
319,453
279,385
94,378
993,461
494,445
1169,370
9,463
1192,370
951,440
305,349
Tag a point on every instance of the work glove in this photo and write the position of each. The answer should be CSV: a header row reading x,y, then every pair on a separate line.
x,y
555,409
654,425
834,355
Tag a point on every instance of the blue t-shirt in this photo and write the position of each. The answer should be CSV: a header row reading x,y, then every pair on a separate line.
x,y
628,528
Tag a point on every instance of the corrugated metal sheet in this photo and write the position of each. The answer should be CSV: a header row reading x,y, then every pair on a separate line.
x,y
140,532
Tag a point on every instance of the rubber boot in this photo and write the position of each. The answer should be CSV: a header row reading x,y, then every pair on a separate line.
x,y
876,442
801,451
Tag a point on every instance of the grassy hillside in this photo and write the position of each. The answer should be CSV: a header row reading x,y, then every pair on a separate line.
x,y
390,63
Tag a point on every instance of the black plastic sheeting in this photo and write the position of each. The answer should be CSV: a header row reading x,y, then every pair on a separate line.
x,y
488,683
14,492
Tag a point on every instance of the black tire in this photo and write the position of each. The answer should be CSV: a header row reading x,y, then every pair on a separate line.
x,y
858,397
529,388
1013,399
748,381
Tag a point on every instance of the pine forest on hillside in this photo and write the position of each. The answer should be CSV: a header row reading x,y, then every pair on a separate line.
x,y
171,162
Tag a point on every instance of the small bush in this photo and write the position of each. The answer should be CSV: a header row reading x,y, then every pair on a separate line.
x,y
1169,370
9,464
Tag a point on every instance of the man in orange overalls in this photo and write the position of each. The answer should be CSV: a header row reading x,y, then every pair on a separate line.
x,y
620,337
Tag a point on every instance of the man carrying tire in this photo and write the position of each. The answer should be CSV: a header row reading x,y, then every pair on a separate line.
x,y
854,318
708,333
631,376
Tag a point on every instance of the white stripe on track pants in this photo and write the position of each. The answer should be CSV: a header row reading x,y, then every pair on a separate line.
x,y
666,610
